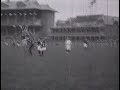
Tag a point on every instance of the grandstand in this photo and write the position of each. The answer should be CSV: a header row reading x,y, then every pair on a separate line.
x,y
39,18
91,27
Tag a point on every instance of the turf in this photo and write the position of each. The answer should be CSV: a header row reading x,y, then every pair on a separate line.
x,y
94,68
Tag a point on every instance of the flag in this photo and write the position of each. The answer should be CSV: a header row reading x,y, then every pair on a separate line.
x,y
92,2
26,32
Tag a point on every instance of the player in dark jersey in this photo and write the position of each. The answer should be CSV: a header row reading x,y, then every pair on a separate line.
x,y
30,46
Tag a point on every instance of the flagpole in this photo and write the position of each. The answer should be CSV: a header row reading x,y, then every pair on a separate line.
x,y
72,10
107,12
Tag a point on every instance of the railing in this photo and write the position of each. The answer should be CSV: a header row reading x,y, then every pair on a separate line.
x,y
77,38
77,30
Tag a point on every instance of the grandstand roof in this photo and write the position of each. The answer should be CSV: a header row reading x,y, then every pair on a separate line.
x,y
92,18
27,4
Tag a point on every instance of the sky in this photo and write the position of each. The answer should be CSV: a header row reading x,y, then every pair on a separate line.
x,y
72,8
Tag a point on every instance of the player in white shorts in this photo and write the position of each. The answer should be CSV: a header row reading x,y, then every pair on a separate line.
x,y
24,41
68,44
41,47
85,43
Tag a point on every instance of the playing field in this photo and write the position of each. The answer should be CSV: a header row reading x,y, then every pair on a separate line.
x,y
94,68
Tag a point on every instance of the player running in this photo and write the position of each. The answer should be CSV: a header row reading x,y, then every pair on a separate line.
x,y
39,42
85,43
68,44
41,46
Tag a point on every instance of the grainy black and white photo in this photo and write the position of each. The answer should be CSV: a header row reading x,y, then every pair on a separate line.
x,y
59,44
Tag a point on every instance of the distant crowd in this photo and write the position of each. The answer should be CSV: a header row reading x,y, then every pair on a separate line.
x,y
28,41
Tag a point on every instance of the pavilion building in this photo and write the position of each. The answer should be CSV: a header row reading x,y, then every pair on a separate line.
x,y
16,14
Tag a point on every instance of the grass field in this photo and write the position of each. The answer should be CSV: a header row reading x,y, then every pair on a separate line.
x,y
94,68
